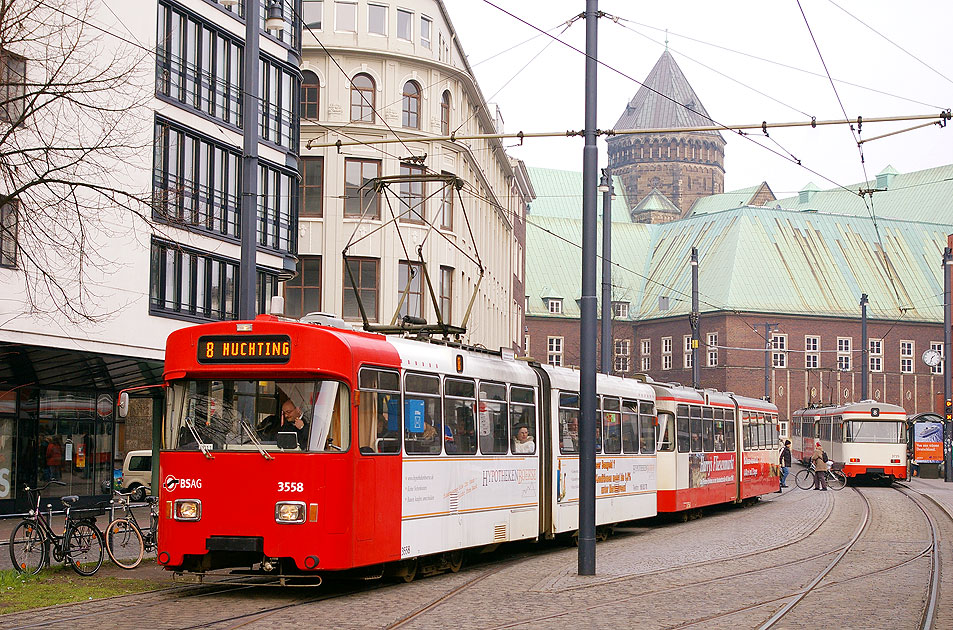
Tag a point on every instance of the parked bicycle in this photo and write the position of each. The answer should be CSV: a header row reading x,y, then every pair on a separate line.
x,y
126,541
33,539
836,479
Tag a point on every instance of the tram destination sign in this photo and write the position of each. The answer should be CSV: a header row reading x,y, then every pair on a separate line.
x,y
244,349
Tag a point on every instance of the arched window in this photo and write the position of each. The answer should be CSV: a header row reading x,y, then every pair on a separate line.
x,y
362,98
310,88
411,107
445,114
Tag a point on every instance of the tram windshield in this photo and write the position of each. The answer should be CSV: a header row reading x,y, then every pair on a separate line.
x,y
247,415
870,431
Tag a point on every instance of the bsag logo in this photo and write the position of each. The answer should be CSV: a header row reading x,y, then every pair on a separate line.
x,y
170,483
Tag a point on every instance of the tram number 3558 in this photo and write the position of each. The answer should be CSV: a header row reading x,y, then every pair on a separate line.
x,y
290,486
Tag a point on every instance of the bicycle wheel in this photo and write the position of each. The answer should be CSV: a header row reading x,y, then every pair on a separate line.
x,y
84,548
836,480
124,543
805,479
28,548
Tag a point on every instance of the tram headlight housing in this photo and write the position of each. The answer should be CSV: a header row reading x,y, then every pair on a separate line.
x,y
290,512
187,510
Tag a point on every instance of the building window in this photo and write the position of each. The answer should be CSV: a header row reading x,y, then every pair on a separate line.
x,y
646,347
362,98
193,283
198,66
231,7
276,116
812,349
412,208
906,357
376,19
446,295
779,354
8,234
345,17
195,182
312,186
277,194
303,292
360,197
712,349
687,356
646,364
620,310
875,355
312,12
411,106
554,354
843,353
555,306
310,95
445,113
405,25
446,205
363,274
425,27
526,344
410,289
621,352
666,353
938,368
12,86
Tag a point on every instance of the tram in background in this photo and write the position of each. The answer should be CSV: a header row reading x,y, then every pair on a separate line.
x,y
868,437
409,452
714,447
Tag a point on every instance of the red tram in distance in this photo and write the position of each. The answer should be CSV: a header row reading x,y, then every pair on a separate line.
x,y
294,448
869,437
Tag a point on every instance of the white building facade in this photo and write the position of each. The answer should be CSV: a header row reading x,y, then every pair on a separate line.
x,y
166,254
378,71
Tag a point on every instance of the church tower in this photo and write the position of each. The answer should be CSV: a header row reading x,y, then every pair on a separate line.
x,y
681,166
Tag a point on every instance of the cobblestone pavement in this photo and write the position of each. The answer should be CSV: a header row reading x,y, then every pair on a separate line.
x,y
730,569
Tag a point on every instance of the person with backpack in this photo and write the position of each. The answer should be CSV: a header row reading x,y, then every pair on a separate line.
x,y
819,460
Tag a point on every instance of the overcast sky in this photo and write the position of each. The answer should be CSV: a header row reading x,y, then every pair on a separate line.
x,y
735,88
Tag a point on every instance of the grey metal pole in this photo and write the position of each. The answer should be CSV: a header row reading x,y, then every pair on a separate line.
x,y
693,320
587,332
607,347
864,348
947,376
247,273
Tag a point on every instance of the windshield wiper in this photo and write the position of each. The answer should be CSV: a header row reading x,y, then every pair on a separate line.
x,y
205,448
254,440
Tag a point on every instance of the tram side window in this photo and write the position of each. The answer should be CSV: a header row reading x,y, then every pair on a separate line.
x,y
826,429
696,414
569,422
745,431
493,429
730,430
839,428
630,426
666,432
708,429
611,425
423,426
523,416
809,429
459,417
775,427
378,414
684,432
719,430
762,436
647,425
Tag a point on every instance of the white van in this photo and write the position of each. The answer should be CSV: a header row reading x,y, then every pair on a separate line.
x,y
137,474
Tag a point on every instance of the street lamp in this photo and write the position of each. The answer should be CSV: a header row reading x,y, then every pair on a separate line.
x,y
273,18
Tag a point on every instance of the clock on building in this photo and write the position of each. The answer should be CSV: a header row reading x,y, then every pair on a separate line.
x,y
932,357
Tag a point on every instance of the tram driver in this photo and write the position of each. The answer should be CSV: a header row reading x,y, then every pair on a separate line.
x,y
291,420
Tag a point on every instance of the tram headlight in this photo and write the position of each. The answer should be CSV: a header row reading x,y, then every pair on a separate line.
x,y
290,512
187,510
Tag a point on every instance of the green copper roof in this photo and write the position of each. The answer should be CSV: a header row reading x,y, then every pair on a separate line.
x,y
560,195
656,201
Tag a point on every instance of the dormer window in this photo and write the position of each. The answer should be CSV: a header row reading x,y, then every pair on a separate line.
x,y
620,310
555,306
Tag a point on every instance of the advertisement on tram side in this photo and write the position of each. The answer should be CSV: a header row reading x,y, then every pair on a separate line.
x,y
705,469
927,442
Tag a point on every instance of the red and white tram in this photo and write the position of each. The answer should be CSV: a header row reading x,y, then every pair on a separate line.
x,y
700,461
869,437
411,450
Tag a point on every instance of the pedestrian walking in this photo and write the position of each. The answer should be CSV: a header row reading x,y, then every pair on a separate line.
x,y
819,459
785,461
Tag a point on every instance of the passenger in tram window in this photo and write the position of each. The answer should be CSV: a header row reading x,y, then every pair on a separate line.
x,y
570,432
387,438
598,437
523,442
